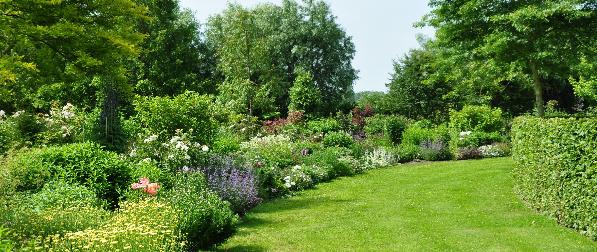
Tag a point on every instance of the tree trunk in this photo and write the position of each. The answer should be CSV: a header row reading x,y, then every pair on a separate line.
x,y
538,86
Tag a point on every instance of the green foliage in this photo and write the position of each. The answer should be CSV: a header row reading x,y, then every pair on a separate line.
x,y
337,139
555,169
585,85
395,127
105,173
52,49
324,125
204,220
477,119
304,95
408,152
378,101
57,209
525,40
334,160
391,127
412,91
163,116
259,49
174,58
275,151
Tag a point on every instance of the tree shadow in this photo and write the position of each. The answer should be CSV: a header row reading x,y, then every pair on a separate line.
x,y
242,248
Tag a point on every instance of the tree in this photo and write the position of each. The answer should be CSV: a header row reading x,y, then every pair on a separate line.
x,y
51,50
173,57
539,38
412,90
264,46
304,96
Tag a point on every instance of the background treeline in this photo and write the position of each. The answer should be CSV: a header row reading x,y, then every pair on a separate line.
x,y
100,54
500,54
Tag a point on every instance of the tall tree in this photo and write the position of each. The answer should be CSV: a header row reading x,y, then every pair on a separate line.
x,y
50,50
264,46
541,38
173,56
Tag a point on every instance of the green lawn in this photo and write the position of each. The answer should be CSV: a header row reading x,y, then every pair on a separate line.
x,y
443,206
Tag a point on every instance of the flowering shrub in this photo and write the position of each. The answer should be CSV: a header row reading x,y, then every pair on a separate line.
x,y
233,184
56,209
173,154
295,179
317,173
276,151
495,150
62,125
379,157
163,116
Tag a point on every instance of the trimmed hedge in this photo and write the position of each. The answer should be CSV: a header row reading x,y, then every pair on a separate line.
x,y
556,169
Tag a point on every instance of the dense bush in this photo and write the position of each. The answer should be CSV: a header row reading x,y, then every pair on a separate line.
x,y
379,157
163,116
335,160
105,173
555,169
204,220
391,127
477,119
435,151
337,139
56,209
323,125
394,128
275,151
20,129
172,153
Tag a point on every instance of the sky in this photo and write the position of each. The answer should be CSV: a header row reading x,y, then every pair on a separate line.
x,y
382,31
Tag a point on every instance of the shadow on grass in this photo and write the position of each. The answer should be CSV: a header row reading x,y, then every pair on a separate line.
x,y
243,248
294,203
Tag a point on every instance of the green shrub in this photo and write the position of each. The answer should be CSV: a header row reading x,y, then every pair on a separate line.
x,y
276,151
337,139
408,152
145,225
164,115
555,169
324,126
375,125
225,143
394,128
204,220
435,151
56,209
105,173
329,158
477,119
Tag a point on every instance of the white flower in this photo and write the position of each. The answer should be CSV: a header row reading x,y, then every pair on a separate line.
x,y
175,139
150,139
296,168
205,148
18,113
133,153
2,113
147,160
465,133
181,146
187,157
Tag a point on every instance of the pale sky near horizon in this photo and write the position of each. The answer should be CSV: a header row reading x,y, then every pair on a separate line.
x,y
382,31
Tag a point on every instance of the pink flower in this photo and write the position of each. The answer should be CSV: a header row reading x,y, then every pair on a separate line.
x,y
149,188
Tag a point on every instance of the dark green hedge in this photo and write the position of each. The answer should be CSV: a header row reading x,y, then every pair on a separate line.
x,y
556,169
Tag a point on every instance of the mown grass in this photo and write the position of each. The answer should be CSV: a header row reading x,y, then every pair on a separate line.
x,y
442,206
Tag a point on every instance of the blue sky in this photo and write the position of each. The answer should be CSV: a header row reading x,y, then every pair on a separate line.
x,y
382,31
